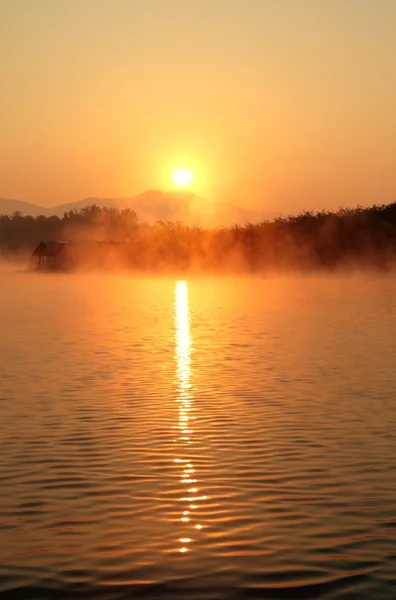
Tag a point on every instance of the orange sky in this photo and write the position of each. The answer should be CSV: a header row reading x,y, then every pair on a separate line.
x,y
277,104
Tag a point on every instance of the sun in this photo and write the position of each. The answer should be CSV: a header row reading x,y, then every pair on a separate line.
x,y
182,177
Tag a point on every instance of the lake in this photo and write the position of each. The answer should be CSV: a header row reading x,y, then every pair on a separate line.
x,y
198,438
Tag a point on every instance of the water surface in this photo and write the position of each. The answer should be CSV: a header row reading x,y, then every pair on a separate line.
x,y
231,438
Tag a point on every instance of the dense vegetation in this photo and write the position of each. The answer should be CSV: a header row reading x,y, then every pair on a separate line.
x,y
363,237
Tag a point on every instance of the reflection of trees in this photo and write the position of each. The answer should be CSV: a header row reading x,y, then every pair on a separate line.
x,y
361,236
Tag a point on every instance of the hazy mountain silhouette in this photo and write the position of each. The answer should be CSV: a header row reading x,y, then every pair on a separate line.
x,y
151,206
9,206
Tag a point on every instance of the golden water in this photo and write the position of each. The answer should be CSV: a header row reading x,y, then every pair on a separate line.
x,y
230,438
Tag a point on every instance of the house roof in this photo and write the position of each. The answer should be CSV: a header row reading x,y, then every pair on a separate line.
x,y
54,249
49,249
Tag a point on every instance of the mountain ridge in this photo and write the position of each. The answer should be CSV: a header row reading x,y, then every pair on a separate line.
x,y
151,206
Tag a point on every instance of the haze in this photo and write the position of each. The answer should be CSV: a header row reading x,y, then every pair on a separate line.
x,y
282,105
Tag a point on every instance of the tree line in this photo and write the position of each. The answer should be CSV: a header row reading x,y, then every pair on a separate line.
x,y
359,237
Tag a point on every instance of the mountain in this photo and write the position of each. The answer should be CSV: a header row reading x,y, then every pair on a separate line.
x,y
154,205
8,206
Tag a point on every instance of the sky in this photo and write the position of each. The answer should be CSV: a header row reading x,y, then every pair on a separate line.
x,y
273,104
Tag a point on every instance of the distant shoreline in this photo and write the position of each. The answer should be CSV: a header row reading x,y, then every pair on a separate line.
x,y
109,239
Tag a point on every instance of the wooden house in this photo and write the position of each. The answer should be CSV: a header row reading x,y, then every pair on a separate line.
x,y
48,256
66,256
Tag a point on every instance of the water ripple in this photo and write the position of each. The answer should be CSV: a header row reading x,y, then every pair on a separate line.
x,y
210,439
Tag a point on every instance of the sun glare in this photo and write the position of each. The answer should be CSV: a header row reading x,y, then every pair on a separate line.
x,y
182,177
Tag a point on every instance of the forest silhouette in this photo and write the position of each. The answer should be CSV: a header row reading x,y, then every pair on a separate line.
x,y
349,238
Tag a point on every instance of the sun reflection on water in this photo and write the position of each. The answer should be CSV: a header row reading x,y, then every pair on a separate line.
x,y
185,421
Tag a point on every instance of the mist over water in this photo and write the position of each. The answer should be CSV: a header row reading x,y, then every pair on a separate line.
x,y
197,438
107,239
